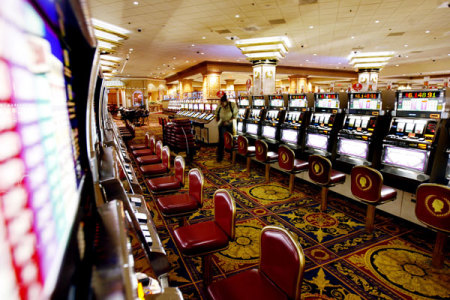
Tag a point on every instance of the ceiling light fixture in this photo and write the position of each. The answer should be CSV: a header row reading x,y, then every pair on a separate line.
x,y
204,37
361,60
237,16
311,27
405,45
427,31
266,48
377,21
352,37
136,3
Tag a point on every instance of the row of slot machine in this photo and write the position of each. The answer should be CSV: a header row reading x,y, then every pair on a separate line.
x,y
200,112
70,203
403,134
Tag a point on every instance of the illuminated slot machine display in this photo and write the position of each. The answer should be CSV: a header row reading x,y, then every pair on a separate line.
x,y
326,120
295,122
256,115
360,137
243,106
414,148
274,117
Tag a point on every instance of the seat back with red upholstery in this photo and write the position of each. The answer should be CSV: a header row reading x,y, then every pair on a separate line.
x,y
286,158
433,206
158,148
228,141
196,182
242,145
165,157
261,150
179,166
319,169
282,260
366,184
225,212
151,143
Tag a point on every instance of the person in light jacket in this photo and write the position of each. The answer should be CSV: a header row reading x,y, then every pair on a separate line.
x,y
226,114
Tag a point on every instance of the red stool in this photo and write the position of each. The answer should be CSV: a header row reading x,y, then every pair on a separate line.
x,y
433,209
321,173
230,145
290,164
263,155
158,169
205,238
279,276
147,151
153,158
245,150
367,186
170,183
141,146
181,205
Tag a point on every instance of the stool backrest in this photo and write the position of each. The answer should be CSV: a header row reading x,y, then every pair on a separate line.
x,y
196,182
242,145
261,150
366,183
286,158
433,206
158,149
152,144
319,169
165,157
179,166
282,260
228,140
225,212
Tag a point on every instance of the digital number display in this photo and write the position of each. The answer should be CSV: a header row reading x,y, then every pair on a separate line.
x,y
424,94
326,96
366,95
292,97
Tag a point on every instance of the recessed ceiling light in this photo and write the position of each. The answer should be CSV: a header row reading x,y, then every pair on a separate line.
x,y
307,60
339,63
396,65
315,54
204,37
237,16
202,53
427,31
377,21
174,57
311,27
193,45
136,3
187,61
406,56
405,45
352,37
131,49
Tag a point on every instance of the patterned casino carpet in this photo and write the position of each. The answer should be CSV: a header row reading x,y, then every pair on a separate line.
x,y
343,261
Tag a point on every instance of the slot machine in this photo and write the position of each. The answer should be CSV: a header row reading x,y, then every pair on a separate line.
x,y
295,122
359,140
326,120
414,148
273,119
243,106
256,116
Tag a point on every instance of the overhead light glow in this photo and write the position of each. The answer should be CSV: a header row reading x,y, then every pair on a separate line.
x,y
110,58
369,59
109,27
106,45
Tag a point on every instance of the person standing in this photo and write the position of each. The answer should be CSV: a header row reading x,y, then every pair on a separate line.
x,y
226,114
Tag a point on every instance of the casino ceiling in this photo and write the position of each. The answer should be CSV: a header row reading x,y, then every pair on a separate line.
x,y
168,37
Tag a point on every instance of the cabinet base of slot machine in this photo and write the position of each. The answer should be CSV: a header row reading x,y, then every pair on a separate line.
x,y
346,163
402,179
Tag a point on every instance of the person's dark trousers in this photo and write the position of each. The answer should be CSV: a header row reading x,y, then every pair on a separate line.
x,y
222,130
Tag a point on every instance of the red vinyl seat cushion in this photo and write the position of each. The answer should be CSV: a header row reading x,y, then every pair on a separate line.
x,y
200,238
138,146
300,165
336,177
176,204
148,159
250,284
153,169
166,183
142,152
387,193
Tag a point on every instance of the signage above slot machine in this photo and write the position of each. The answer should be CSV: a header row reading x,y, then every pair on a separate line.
x,y
326,102
420,104
365,103
297,102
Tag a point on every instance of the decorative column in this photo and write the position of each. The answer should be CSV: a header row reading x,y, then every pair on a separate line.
x,y
368,66
211,85
229,84
186,86
292,85
368,78
264,53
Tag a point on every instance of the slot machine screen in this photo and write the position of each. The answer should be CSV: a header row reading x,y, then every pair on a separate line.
x,y
353,148
256,113
269,132
277,103
195,106
252,129
190,106
419,127
244,102
351,122
429,101
241,112
401,127
317,141
289,136
214,107
358,123
207,106
407,158
364,123
39,169
201,106
367,101
258,102
240,126
298,102
326,101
